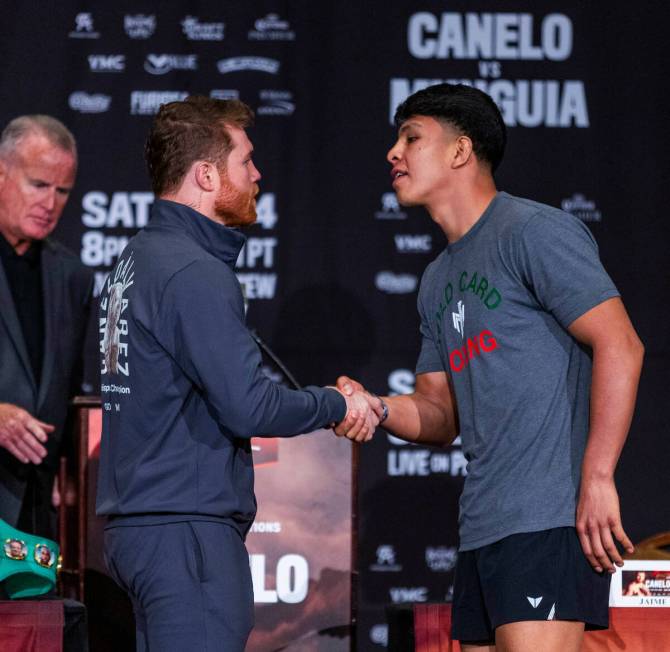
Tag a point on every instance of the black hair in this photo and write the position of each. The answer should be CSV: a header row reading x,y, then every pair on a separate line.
x,y
468,110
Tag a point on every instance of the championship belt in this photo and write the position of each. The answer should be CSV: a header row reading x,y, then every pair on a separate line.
x,y
28,564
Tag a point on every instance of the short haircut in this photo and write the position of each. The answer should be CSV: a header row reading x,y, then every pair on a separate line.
x,y
468,110
191,130
45,125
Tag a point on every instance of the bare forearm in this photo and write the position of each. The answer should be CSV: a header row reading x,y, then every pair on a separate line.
x,y
615,378
420,420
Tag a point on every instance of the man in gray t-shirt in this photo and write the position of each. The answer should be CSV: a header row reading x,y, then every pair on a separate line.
x,y
529,355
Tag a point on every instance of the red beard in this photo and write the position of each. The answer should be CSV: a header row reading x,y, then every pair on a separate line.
x,y
233,207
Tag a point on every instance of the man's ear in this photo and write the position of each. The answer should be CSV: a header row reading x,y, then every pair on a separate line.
x,y
462,151
206,175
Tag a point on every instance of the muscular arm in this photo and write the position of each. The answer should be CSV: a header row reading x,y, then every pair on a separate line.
x,y
617,362
428,416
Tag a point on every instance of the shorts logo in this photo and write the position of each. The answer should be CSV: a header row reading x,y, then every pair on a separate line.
x,y
535,602
552,612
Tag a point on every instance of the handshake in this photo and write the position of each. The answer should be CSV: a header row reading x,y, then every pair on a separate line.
x,y
365,411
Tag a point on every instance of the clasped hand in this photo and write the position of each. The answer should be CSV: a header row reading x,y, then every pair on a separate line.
x,y
364,410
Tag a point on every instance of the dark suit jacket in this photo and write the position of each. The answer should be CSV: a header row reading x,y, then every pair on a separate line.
x,y
67,287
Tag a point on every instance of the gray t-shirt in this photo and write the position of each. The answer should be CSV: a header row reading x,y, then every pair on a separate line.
x,y
495,306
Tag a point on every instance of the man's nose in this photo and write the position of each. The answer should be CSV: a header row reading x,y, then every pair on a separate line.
x,y
255,174
49,199
393,154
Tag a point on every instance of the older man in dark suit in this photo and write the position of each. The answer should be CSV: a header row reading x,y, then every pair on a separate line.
x,y
44,298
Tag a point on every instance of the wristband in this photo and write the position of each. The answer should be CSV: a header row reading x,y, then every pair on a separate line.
x,y
385,412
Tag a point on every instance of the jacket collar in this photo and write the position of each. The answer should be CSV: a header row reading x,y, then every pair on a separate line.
x,y
221,241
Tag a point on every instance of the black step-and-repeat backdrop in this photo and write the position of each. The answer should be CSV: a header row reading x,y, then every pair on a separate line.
x,y
332,267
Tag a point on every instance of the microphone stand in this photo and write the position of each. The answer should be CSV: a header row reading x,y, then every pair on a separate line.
x,y
273,356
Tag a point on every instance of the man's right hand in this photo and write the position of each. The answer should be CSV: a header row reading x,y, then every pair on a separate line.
x,y
23,435
363,413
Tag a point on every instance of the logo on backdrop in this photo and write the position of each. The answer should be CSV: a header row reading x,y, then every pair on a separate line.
x,y
386,560
390,208
392,283
84,27
112,327
225,94
259,64
271,28
148,102
194,30
276,103
441,559
88,102
400,594
139,26
379,635
159,64
413,244
585,209
491,39
107,62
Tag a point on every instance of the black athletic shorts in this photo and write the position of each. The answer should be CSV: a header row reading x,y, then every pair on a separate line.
x,y
529,576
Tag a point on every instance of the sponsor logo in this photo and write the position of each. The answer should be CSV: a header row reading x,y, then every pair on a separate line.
x,y
107,62
379,635
259,64
584,209
458,319
83,26
386,560
390,208
159,64
194,30
89,103
413,244
225,94
441,559
276,103
271,28
139,26
396,283
401,594
148,102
